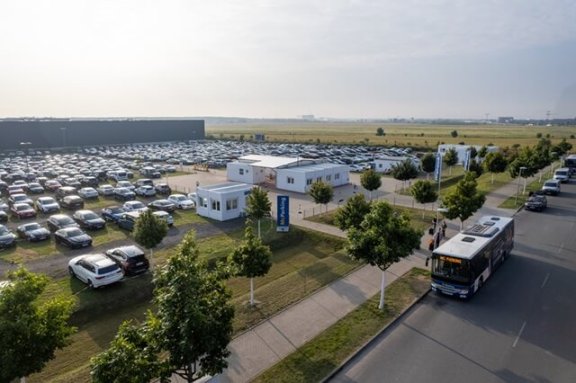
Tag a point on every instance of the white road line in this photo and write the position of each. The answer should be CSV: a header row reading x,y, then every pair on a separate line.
x,y
519,334
545,280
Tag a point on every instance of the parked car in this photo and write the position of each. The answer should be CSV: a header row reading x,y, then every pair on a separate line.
x,y
163,189
3,216
72,237
164,216
134,206
106,190
562,175
124,194
4,206
23,211
96,270
72,202
125,184
46,205
112,213
145,191
181,201
551,187
33,232
144,181
89,181
130,258
162,204
52,185
88,220
15,189
88,193
128,220
64,191
7,238
536,202
20,198
60,221
35,188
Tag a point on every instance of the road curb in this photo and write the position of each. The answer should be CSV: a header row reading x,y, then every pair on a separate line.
x,y
373,339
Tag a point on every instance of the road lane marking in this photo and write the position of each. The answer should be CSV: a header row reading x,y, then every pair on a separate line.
x,y
545,280
519,334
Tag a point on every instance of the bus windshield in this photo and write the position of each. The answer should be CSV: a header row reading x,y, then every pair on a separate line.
x,y
451,268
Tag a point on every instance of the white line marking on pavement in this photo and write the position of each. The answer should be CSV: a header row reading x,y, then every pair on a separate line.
x,y
519,334
545,280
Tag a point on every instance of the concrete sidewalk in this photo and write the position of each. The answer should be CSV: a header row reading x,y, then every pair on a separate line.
x,y
267,343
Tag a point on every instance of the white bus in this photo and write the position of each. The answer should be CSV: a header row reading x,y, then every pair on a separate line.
x,y
461,265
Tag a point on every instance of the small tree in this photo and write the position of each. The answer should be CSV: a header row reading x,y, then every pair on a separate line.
x,y
473,152
404,170
424,192
352,213
495,162
463,201
258,205
187,336
370,180
384,237
482,152
428,163
451,158
454,133
380,132
475,167
30,330
321,192
251,259
149,231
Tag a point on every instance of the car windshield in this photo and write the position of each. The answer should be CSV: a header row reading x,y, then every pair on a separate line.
x,y
561,173
46,201
65,221
74,233
22,207
90,216
107,269
32,226
550,184
4,230
180,198
116,210
137,205
20,198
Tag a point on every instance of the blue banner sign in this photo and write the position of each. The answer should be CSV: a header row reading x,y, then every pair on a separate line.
x,y
438,167
283,210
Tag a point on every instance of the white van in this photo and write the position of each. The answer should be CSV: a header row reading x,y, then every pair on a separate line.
x,y
562,174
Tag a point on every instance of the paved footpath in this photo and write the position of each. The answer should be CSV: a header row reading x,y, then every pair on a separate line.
x,y
261,347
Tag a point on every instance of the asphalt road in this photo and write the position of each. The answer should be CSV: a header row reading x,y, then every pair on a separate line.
x,y
521,327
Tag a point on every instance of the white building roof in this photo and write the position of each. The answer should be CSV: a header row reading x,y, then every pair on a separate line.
x,y
226,187
268,161
315,167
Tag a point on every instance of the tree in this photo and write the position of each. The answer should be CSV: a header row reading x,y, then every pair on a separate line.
x,y
404,170
258,205
352,213
424,192
187,336
251,259
383,238
428,163
495,162
482,152
149,231
454,133
370,180
473,152
451,158
380,132
30,330
321,192
562,147
475,167
463,201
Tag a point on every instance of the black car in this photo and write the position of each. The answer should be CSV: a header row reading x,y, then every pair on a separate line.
x,y
130,258
536,202
89,220
127,221
90,181
33,232
72,202
7,238
163,189
72,237
112,213
60,221
35,188
3,216
162,204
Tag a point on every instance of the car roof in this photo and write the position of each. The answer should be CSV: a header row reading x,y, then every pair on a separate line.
x,y
99,260
130,251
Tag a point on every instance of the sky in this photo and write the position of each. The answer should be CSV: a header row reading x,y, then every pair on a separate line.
x,y
287,58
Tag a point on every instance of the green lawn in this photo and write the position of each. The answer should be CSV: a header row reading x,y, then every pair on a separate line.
x,y
303,261
317,358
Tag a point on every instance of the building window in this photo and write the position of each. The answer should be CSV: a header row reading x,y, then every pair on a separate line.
x,y
337,176
309,181
380,165
202,201
241,171
318,179
329,177
232,204
215,205
290,180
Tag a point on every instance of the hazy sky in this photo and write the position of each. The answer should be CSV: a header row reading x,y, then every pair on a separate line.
x,y
285,58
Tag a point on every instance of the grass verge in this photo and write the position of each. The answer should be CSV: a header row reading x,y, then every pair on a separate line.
x,y
317,358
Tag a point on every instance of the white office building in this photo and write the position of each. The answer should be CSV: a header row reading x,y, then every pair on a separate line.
x,y
384,163
223,201
299,179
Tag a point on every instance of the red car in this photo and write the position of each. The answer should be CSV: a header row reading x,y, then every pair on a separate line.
x,y
23,210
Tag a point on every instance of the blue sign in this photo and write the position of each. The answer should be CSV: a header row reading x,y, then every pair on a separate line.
x,y
283,210
438,167
467,160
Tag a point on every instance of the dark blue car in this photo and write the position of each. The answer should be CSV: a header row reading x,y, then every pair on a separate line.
x,y
112,213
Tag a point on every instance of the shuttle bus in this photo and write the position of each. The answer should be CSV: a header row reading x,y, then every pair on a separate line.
x,y
570,163
461,265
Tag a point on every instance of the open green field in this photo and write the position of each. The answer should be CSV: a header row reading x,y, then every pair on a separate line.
x,y
414,135
303,261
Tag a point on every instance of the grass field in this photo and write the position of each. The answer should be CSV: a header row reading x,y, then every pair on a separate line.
x,y
303,261
317,358
414,135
